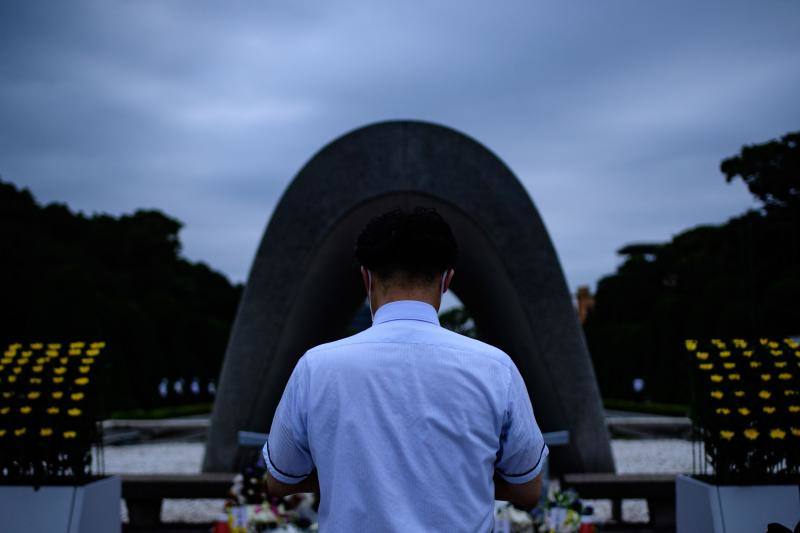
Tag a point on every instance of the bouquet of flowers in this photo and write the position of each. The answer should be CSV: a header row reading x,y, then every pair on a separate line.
x,y
250,509
563,512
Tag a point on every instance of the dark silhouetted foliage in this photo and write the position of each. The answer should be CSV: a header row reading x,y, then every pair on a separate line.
x,y
739,279
770,170
120,279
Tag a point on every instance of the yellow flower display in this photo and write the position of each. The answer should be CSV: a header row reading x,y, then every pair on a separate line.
x,y
32,395
70,434
784,376
728,366
777,433
35,381
702,355
705,366
59,370
82,381
20,432
738,393
4,410
744,411
794,408
723,411
2,432
46,432
52,410
751,434
725,434
740,343
36,345
734,377
691,345
57,395
58,379
74,412
76,396
795,431
725,354
716,378
768,409
765,377
25,409
754,364
764,394
780,364
717,394
84,369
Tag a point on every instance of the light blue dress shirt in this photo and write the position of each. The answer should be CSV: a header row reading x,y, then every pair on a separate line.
x,y
406,423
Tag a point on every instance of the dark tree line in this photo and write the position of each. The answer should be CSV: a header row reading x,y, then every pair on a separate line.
x,y
67,276
738,279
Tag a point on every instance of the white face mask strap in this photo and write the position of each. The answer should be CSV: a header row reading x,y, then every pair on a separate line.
x,y
369,293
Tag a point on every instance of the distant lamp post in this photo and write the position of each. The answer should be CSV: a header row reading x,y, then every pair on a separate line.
x,y
163,388
638,388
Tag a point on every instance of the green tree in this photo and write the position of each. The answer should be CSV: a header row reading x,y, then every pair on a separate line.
x,y
65,276
738,279
771,171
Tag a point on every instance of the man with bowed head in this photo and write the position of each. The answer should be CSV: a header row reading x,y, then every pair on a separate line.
x,y
406,426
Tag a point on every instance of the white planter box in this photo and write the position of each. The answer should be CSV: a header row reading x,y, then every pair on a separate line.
x,y
703,508
89,508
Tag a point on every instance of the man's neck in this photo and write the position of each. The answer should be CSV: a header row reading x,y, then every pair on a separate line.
x,y
422,295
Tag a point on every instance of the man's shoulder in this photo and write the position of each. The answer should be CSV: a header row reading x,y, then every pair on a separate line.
x,y
443,337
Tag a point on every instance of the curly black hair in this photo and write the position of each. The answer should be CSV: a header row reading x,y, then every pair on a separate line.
x,y
416,245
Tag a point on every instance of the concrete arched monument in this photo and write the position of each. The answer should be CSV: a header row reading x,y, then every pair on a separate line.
x,y
304,285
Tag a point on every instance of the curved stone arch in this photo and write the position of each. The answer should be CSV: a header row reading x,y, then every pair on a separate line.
x,y
304,285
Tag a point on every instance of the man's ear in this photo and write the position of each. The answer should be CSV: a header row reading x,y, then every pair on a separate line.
x,y
365,278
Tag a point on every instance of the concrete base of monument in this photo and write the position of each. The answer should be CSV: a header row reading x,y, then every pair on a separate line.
x,y
88,508
702,507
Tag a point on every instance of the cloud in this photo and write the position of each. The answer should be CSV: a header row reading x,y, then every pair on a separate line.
x,y
613,114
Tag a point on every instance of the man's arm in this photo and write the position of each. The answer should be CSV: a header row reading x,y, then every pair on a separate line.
x,y
517,476
290,466
523,495
277,488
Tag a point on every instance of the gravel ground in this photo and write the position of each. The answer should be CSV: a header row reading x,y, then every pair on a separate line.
x,y
631,456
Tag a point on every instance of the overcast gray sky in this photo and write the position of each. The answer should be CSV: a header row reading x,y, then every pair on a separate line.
x,y
614,114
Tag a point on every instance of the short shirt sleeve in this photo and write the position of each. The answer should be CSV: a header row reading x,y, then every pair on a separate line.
x,y
286,451
522,448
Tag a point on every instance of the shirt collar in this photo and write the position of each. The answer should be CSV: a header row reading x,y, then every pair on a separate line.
x,y
406,310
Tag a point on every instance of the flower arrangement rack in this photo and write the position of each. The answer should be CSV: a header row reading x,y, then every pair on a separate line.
x,y
746,410
48,412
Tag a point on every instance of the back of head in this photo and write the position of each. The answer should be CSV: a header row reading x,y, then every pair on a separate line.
x,y
407,247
